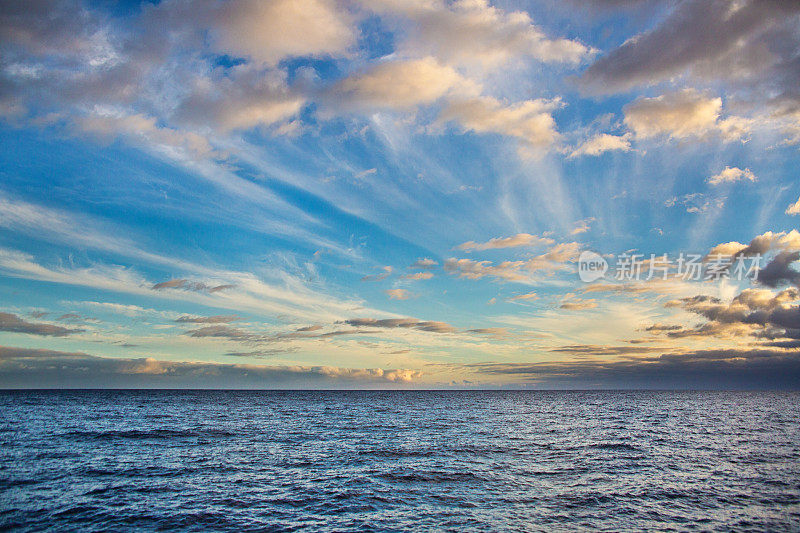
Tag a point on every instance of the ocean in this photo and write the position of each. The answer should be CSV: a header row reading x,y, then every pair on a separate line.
x,y
399,461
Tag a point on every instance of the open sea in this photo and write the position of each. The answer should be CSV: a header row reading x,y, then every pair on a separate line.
x,y
391,461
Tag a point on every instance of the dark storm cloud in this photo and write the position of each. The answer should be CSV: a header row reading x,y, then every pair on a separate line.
x,y
24,368
702,369
14,324
34,353
779,272
751,41
751,306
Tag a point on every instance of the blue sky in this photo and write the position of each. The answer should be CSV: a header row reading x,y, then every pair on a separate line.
x,y
329,194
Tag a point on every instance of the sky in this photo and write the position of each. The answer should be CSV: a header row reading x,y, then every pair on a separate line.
x,y
403,194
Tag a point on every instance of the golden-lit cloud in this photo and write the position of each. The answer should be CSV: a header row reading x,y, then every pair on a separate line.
x,y
682,115
520,239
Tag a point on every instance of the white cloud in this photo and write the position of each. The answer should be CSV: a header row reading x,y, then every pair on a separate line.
x,y
279,294
731,175
603,142
696,202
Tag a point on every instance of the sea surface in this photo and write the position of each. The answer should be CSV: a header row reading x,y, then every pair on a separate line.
x,y
392,461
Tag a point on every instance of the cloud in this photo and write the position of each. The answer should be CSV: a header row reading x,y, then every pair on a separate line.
x,y
794,209
526,296
572,303
400,85
9,353
582,226
398,294
528,121
698,369
416,276
224,332
681,115
387,271
520,239
660,328
603,142
263,354
240,99
469,269
423,263
472,31
26,368
737,42
696,202
520,271
13,324
408,323
195,286
595,350
753,312
759,245
496,333
120,309
70,317
108,125
655,285
364,173
271,31
778,271
216,319
278,292
105,75
732,175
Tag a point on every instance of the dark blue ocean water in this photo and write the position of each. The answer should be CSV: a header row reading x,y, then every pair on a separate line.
x,y
384,461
